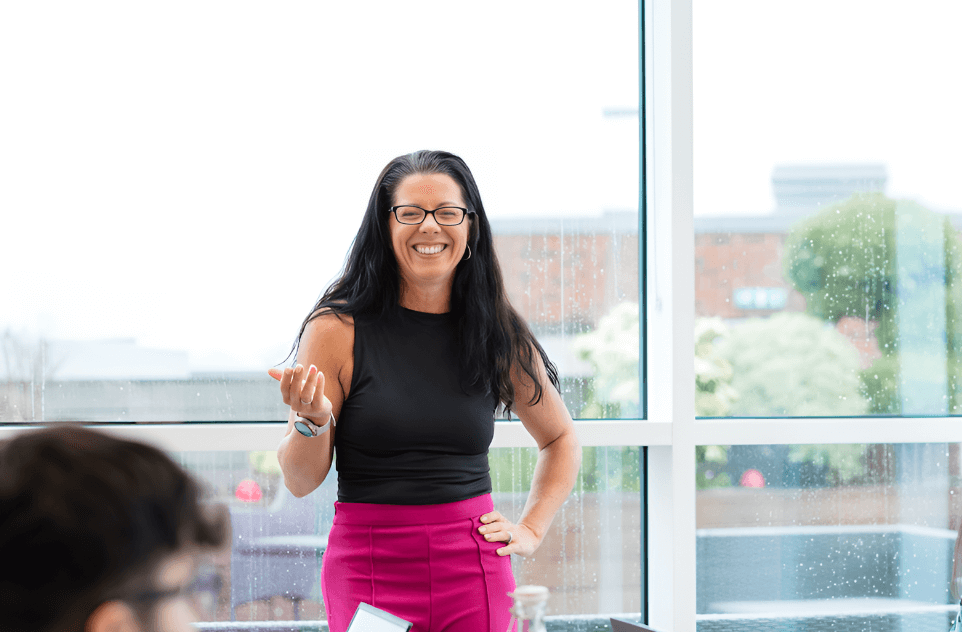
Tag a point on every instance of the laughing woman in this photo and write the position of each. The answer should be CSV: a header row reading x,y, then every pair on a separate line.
x,y
411,351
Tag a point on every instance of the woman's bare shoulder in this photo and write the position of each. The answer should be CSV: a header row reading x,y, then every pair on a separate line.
x,y
331,328
328,343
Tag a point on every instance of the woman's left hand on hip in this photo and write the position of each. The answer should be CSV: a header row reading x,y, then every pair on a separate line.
x,y
518,538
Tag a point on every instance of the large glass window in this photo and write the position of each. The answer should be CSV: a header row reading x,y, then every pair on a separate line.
x,y
181,182
826,265
590,559
158,196
827,245
859,535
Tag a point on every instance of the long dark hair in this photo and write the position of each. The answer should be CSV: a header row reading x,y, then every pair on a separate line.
x,y
492,335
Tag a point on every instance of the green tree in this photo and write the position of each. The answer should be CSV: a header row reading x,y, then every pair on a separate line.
x,y
846,461
844,261
714,394
613,351
792,365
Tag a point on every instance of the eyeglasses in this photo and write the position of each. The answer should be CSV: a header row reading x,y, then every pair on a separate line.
x,y
200,594
445,216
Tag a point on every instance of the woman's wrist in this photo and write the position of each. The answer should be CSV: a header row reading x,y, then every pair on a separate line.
x,y
308,427
319,421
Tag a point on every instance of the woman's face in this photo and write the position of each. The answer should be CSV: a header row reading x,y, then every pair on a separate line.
x,y
428,253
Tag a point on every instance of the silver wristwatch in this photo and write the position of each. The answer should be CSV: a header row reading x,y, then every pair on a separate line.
x,y
310,429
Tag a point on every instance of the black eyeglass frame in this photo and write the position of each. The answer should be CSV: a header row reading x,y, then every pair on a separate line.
x,y
464,213
201,583
152,596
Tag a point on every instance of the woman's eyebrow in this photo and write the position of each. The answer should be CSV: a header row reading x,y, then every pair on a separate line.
x,y
441,205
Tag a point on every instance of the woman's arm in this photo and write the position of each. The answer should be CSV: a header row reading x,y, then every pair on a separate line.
x,y
315,388
559,458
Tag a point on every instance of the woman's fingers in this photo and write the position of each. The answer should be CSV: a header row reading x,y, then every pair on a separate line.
x,y
503,534
319,388
495,527
303,389
309,387
491,517
310,399
520,541
286,376
517,538
296,386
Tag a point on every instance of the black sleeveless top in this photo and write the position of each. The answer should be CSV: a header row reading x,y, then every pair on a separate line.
x,y
410,433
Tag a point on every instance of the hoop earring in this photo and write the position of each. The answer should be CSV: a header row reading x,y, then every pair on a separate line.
x,y
469,254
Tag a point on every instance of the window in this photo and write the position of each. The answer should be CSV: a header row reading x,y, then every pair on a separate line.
x,y
825,360
162,195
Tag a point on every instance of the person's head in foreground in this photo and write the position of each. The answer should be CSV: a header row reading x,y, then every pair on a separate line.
x,y
98,534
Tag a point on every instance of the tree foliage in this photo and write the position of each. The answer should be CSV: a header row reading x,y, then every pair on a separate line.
x,y
844,260
613,350
714,394
792,365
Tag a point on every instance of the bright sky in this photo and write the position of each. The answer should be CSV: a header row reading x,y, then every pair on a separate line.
x,y
826,82
190,174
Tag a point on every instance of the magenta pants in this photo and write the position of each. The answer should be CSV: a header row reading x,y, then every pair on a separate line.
x,y
424,563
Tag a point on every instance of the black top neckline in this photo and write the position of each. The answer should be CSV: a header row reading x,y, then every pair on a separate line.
x,y
428,316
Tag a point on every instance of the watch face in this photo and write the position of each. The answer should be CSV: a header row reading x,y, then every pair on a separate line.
x,y
303,428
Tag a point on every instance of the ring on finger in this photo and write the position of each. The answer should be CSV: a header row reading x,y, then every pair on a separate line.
x,y
306,403
510,537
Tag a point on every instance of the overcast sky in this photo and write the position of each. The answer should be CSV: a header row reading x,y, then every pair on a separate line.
x,y
190,174
826,82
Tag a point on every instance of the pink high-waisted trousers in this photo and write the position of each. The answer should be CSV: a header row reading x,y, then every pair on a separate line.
x,y
424,563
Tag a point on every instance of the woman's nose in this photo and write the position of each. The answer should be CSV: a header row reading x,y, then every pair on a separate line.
x,y
433,226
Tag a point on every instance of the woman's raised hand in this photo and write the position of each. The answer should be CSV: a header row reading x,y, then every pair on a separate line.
x,y
303,390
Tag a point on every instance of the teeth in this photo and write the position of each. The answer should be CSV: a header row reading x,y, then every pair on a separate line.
x,y
429,250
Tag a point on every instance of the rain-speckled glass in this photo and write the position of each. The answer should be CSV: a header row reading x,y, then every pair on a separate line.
x,y
590,559
828,252
157,275
167,233
828,258
855,536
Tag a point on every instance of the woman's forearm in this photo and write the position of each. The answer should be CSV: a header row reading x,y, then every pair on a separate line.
x,y
554,476
304,461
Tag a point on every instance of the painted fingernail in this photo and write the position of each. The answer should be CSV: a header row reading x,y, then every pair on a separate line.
x,y
481,529
488,536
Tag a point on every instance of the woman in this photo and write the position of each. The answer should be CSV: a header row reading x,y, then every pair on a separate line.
x,y
411,351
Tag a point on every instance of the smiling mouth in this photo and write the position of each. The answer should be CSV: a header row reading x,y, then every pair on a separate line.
x,y
429,250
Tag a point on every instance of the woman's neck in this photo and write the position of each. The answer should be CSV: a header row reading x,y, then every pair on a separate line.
x,y
435,300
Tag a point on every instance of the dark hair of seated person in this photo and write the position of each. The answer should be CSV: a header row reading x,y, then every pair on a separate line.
x,y
86,518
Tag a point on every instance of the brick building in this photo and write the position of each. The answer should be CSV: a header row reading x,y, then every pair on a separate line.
x,y
564,274
738,260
